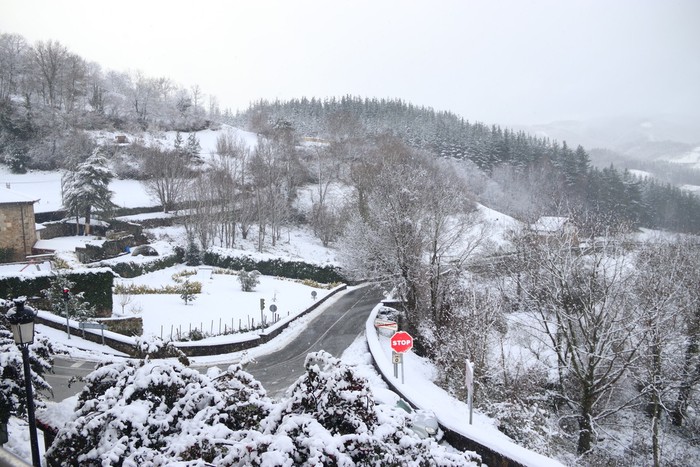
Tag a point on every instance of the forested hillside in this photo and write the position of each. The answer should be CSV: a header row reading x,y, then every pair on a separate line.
x,y
534,176
50,96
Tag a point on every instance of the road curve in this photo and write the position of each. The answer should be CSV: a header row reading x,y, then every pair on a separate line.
x,y
333,331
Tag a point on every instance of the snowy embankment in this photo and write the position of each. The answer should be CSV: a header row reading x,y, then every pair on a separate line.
x,y
452,413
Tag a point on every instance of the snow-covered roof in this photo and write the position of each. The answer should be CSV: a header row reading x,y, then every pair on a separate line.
x,y
549,224
9,196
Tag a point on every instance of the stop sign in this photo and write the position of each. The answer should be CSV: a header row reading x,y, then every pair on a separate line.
x,y
401,342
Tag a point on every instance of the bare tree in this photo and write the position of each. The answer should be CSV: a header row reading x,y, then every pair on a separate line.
x,y
582,313
166,176
270,191
411,227
13,51
690,314
50,56
660,290
325,218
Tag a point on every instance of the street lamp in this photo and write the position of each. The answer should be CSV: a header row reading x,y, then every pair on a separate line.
x,y
21,319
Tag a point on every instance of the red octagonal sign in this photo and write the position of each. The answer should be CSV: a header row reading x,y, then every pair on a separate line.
x,y
401,342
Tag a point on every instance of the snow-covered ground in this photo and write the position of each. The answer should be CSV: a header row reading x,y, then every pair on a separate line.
x,y
222,303
46,186
220,307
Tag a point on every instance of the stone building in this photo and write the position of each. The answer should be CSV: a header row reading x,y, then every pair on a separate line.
x,y
17,226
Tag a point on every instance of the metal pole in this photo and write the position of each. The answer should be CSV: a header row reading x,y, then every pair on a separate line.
x,y
471,394
67,322
36,460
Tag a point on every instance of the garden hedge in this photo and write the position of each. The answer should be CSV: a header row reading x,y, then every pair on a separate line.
x,y
275,267
96,285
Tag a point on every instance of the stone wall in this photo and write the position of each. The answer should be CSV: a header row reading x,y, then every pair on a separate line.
x,y
17,230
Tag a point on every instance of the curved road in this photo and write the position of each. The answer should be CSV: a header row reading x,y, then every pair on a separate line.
x,y
333,331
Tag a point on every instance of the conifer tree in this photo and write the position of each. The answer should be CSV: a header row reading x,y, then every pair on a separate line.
x,y
87,188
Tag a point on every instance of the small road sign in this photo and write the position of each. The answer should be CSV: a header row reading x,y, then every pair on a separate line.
x,y
401,342
386,324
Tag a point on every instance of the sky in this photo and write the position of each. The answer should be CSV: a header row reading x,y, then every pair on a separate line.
x,y
500,61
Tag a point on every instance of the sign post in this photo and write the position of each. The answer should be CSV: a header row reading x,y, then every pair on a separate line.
x,y
469,377
401,342
88,325
397,358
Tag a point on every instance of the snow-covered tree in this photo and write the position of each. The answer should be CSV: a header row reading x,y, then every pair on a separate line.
x,y
583,316
13,396
188,291
69,305
193,255
87,188
192,147
249,280
659,287
166,175
411,226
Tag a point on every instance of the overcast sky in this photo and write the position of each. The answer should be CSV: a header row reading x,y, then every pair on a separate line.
x,y
501,61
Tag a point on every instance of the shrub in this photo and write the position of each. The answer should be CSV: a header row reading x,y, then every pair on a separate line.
x,y
129,270
194,287
188,291
249,280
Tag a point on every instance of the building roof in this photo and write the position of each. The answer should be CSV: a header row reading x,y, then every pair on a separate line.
x,y
9,196
549,224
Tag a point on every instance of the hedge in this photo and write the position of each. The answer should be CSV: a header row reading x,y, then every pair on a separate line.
x,y
131,269
96,285
275,267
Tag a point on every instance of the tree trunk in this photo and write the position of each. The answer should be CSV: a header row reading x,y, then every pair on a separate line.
x,y
585,427
691,370
86,230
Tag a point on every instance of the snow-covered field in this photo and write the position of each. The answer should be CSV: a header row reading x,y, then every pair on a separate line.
x,y
220,307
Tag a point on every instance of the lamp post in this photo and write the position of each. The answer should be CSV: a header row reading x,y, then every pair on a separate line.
x,y
21,319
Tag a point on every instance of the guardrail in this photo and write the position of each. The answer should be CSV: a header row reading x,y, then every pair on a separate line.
x,y
498,453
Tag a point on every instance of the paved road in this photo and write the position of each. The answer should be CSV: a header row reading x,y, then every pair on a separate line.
x,y
333,331
63,371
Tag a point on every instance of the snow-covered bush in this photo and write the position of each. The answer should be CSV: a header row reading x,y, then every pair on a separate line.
x,y
152,346
156,412
13,398
188,291
140,412
331,419
248,280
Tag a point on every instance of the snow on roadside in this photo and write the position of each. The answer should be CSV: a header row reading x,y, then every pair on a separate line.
x,y
451,412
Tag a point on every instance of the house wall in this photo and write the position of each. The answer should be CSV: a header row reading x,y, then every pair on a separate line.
x,y
17,230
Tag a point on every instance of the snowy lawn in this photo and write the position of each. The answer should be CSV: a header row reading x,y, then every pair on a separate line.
x,y
221,305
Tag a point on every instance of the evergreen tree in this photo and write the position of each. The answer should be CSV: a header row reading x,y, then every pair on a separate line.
x,y
192,147
87,188
188,292
193,255
178,142
13,395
